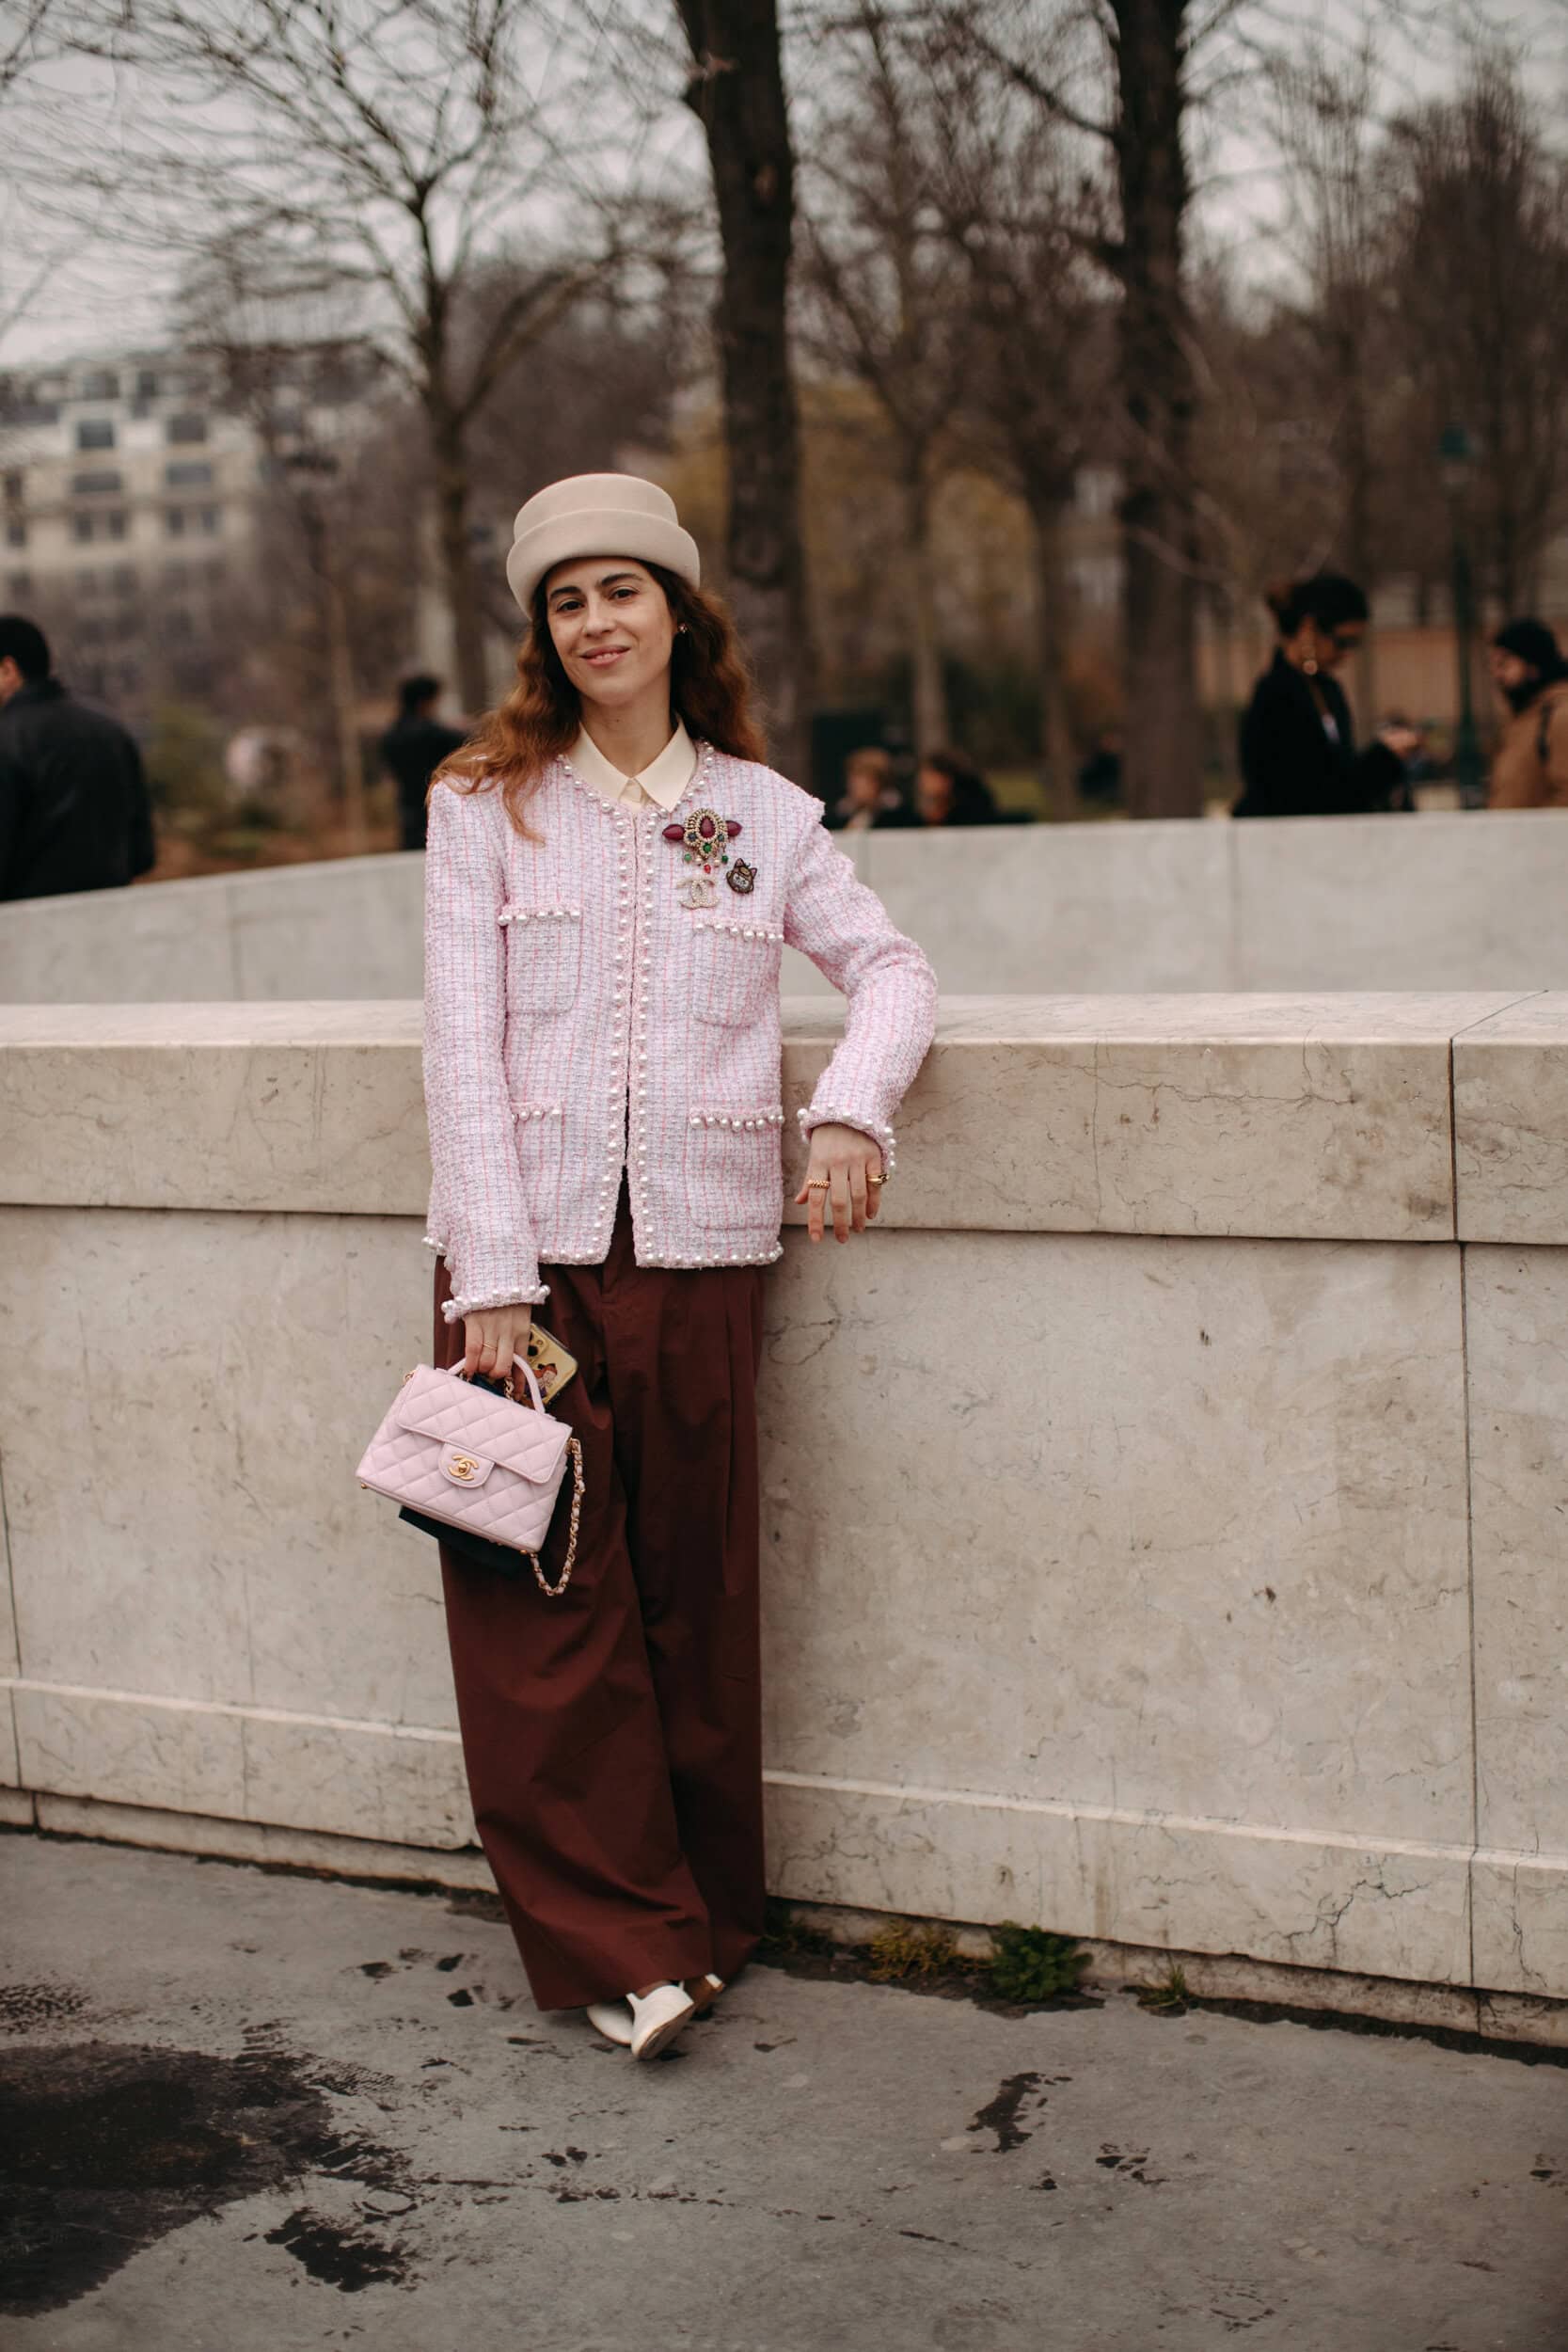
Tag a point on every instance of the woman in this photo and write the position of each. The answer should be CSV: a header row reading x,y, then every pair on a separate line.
x,y
611,877
1297,744
1530,768
948,791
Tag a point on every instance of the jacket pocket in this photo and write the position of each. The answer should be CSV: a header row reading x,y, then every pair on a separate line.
x,y
538,1127
734,1168
735,967
543,957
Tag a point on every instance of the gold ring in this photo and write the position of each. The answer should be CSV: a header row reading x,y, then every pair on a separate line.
x,y
876,1179
819,1183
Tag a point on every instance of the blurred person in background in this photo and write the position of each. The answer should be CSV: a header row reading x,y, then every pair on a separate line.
x,y
1530,766
948,791
74,810
871,796
1298,753
1099,777
414,747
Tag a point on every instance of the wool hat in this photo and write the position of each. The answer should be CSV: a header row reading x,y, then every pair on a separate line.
x,y
1534,642
598,513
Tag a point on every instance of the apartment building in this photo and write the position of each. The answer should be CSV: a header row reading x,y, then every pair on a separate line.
x,y
133,487
127,493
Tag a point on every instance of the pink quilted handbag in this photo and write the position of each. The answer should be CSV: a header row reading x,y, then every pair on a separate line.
x,y
475,1460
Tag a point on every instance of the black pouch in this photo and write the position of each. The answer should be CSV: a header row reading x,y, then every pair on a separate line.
x,y
476,1551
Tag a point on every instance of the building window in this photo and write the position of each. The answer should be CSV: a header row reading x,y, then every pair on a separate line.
x,y
81,527
147,384
210,522
101,384
190,474
15,485
125,580
174,522
96,433
120,525
16,535
187,428
19,583
84,485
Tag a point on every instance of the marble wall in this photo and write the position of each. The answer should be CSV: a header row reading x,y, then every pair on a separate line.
x,y
1436,902
1162,1514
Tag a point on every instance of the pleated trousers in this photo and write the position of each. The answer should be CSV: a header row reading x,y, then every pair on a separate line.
x,y
612,1737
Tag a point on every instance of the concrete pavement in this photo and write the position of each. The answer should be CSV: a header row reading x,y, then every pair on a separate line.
x,y
251,2113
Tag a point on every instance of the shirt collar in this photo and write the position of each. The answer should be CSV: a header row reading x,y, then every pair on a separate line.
x,y
663,780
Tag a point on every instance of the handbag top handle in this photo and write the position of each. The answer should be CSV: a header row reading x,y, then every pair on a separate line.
x,y
520,1364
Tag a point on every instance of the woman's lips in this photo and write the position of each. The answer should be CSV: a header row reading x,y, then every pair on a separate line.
x,y
604,655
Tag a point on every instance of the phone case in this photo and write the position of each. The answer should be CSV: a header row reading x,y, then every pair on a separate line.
x,y
552,1366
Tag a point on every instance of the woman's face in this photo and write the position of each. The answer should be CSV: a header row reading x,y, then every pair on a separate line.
x,y
611,625
1325,647
933,794
866,786
1509,671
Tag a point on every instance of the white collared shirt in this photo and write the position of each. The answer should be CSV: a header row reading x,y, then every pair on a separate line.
x,y
662,781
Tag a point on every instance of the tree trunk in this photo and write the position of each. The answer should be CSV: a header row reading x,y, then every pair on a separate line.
x,y
928,691
1159,540
737,93
345,715
1057,749
449,465
317,526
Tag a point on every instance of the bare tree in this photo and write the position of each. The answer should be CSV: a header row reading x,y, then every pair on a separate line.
x,y
890,303
1327,129
737,90
388,150
1481,275
1136,106
1013,200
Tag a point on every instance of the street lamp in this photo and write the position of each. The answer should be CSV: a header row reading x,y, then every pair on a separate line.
x,y
1456,454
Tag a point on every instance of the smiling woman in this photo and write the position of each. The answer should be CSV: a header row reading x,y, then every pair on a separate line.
x,y
612,878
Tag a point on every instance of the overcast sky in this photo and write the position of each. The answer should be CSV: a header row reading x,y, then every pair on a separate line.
x,y
77,289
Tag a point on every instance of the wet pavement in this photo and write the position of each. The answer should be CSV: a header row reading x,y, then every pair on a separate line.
x,y
251,2112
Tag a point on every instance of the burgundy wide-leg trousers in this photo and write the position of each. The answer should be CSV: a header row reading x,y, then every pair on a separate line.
x,y
612,1737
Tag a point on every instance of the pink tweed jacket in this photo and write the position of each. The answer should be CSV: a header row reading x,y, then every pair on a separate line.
x,y
606,997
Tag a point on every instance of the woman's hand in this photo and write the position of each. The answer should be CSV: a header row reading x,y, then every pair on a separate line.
x,y
493,1337
848,1160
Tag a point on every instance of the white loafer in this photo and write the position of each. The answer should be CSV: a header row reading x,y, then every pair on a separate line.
x,y
614,2019
704,1991
657,2018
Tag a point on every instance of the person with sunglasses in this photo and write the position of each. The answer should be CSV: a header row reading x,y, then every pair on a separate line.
x,y
1298,751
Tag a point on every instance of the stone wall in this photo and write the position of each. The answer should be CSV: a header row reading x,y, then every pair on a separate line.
x,y
1354,902
1163,1513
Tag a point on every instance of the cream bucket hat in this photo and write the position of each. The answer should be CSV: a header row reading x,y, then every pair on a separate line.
x,y
598,513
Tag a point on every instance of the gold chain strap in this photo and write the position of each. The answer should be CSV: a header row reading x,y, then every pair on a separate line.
x,y
555,1590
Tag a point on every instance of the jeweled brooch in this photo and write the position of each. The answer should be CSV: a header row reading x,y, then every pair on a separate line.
x,y
704,841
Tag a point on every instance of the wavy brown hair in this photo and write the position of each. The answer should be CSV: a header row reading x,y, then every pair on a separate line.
x,y
710,690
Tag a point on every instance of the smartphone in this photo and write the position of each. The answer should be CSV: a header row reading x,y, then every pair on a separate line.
x,y
551,1365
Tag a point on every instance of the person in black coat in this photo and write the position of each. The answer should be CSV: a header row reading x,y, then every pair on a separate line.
x,y
1298,745
74,810
948,791
414,746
